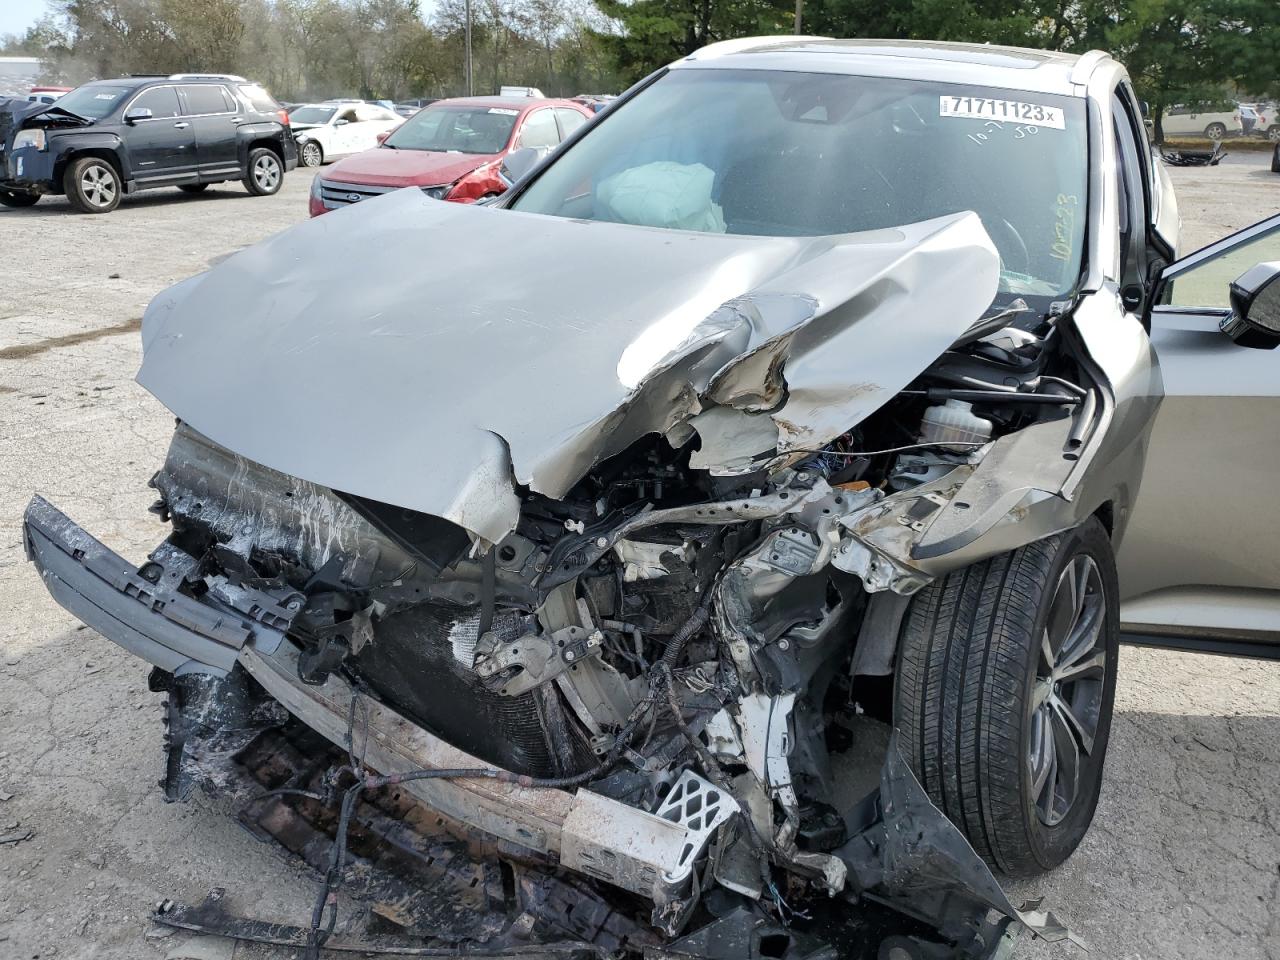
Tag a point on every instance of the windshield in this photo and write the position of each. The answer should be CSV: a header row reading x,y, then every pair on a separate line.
x,y
311,114
474,129
794,154
93,102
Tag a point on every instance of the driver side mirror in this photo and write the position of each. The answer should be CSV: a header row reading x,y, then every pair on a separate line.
x,y
519,163
136,114
382,137
1255,307
341,123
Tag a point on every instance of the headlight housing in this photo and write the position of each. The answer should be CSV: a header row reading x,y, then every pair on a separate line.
x,y
29,138
437,193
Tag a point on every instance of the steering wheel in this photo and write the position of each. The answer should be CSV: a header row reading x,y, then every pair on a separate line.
x,y
1014,255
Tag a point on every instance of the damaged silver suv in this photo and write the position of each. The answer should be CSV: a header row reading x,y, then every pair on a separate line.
x,y
737,566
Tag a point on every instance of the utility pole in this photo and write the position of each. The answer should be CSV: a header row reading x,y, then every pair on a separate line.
x,y
799,15
470,84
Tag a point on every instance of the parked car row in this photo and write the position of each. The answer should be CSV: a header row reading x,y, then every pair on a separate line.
x,y
1219,121
107,138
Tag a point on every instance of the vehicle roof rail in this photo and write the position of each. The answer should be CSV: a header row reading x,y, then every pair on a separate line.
x,y
1087,63
208,76
723,47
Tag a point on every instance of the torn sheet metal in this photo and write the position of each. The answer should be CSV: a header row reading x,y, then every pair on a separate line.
x,y
913,855
431,385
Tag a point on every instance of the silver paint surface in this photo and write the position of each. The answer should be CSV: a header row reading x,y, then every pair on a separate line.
x,y
524,349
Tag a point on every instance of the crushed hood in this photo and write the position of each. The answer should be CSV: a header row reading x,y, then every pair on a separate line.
x,y
433,355
21,110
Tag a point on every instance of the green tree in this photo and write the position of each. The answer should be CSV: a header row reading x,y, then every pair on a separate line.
x,y
651,33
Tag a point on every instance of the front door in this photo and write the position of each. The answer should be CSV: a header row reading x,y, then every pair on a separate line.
x,y
162,147
1200,560
346,132
213,116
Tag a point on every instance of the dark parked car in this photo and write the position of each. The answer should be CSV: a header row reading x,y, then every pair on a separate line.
x,y
113,137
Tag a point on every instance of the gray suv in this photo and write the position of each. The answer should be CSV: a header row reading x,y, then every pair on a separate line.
x,y
754,542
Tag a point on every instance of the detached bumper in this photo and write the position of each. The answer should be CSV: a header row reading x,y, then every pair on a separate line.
x,y
143,611
146,614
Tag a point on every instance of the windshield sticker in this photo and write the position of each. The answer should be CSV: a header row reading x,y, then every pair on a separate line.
x,y
1013,111
504,111
105,96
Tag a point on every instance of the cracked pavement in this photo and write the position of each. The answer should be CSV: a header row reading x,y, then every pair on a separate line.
x,y
1183,862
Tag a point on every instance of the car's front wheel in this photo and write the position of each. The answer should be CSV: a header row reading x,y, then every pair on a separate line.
x,y
92,185
1005,684
311,155
9,198
265,173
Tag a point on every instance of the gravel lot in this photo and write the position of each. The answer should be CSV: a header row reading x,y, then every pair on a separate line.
x,y
1183,862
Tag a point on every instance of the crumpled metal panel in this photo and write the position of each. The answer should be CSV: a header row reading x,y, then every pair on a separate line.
x,y
429,355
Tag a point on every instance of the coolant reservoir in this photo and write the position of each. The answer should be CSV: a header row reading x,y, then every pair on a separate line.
x,y
954,422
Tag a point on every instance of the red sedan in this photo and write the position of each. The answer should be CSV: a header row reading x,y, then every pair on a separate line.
x,y
451,150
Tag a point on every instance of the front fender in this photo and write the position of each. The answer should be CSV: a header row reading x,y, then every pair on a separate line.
x,y
66,147
1037,482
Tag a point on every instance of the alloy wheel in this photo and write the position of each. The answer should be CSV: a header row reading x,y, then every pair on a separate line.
x,y
99,185
1066,701
266,172
311,155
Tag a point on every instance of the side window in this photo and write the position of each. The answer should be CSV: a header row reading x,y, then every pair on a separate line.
x,y
1205,280
204,98
570,120
161,101
540,130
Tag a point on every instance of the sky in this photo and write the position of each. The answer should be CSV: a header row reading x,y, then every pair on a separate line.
x,y
17,15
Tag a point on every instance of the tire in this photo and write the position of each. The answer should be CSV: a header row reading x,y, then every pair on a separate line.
x,y
9,198
193,187
1275,159
265,172
311,154
1215,131
92,185
973,697
1273,133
